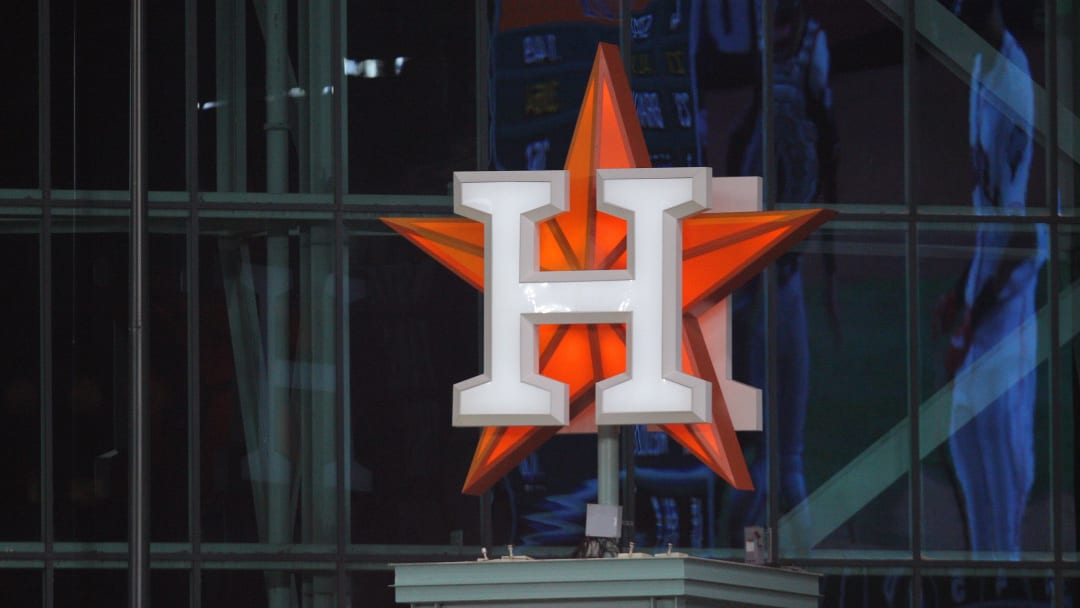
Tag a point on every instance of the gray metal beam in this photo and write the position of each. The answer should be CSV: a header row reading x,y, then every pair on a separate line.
x,y
139,413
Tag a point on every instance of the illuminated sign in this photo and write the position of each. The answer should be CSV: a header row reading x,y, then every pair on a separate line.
x,y
588,355
519,296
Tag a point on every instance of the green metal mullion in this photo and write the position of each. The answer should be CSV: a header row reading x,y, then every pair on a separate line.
x,y
772,380
1057,470
48,528
625,440
138,359
194,376
339,254
911,269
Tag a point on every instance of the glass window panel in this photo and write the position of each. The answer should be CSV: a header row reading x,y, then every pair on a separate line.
x,y
677,499
540,62
962,587
79,588
267,367
165,96
843,382
89,72
866,77
375,587
837,94
866,588
1072,588
984,430
541,503
213,115
1067,27
413,332
264,97
20,379
662,82
19,39
169,588
22,587
167,377
258,589
90,377
1069,302
980,106
410,79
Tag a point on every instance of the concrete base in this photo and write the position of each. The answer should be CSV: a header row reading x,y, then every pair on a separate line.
x,y
647,582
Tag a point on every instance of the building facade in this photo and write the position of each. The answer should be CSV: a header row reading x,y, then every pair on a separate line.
x,y
918,356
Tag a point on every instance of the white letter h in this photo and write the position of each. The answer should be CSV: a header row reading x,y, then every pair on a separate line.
x,y
518,296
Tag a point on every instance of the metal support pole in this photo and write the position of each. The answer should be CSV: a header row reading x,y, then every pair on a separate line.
x,y
138,457
47,495
607,465
626,447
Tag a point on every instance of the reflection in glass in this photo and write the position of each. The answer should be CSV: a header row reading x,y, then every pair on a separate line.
x,y
270,589
837,118
862,588
20,380
678,500
959,588
411,94
805,152
90,386
540,65
985,318
542,502
854,448
1067,30
413,331
661,77
267,368
266,96
991,431
1069,299
991,50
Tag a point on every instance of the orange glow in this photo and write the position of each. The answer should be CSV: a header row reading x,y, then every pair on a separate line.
x,y
721,251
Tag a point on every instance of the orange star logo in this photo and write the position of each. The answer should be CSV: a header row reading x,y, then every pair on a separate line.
x,y
721,251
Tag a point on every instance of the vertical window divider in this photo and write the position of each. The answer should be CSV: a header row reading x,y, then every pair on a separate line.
x,y
772,381
138,426
483,163
1054,287
45,374
194,386
912,281
337,40
626,432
